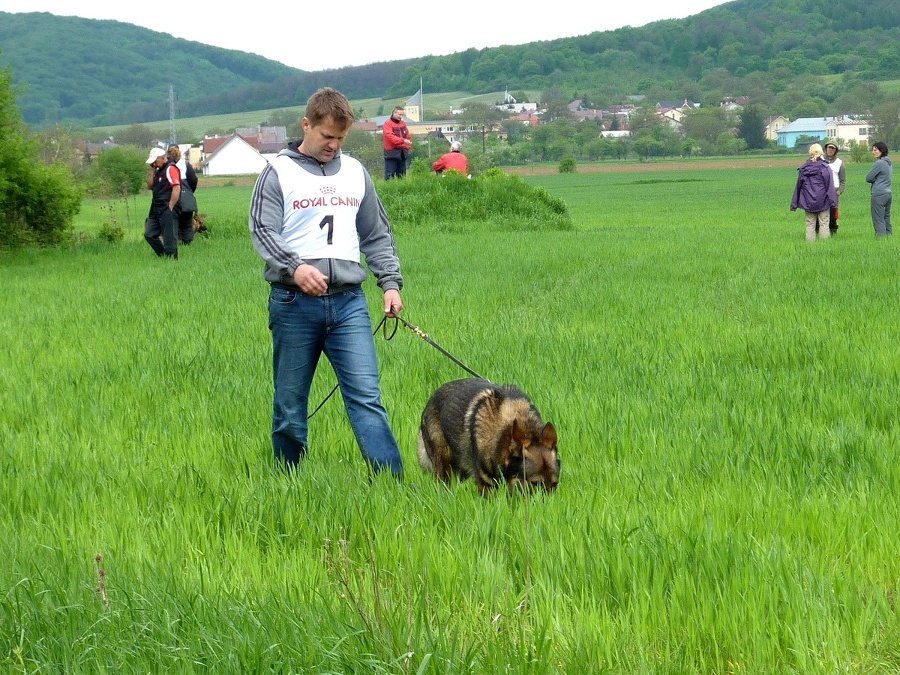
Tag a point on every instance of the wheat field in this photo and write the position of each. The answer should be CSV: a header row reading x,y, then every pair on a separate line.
x,y
724,393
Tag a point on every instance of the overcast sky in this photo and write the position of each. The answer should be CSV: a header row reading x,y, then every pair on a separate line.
x,y
317,36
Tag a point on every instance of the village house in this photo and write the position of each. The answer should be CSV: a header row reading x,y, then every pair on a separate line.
x,y
242,153
269,140
732,104
774,124
845,130
842,130
512,106
528,118
231,155
89,151
580,113
674,110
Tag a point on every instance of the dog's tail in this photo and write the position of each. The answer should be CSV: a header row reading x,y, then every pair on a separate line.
x,y
424,459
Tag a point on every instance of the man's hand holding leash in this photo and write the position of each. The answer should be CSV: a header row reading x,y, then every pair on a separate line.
x,y
393,305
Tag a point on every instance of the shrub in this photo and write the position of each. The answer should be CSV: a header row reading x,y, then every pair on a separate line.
x,y
37,202
118,172
451,202
111,231
567,165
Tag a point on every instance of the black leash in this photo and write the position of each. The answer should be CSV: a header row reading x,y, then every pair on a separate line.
x,y
420,333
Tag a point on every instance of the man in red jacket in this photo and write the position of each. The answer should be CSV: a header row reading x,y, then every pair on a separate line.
x,y
453,160
395,135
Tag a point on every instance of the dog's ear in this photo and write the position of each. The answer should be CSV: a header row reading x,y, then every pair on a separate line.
x,y
520,440
548,436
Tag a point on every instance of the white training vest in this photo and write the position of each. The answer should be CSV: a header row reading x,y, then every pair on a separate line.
x,y
836,169
320,211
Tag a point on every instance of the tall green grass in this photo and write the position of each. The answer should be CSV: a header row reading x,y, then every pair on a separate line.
x,y
724,393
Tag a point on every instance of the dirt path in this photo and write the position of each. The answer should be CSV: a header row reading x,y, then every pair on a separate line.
x,y
596,167
666,165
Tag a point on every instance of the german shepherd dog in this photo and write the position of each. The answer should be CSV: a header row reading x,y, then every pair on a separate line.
x,y
473,428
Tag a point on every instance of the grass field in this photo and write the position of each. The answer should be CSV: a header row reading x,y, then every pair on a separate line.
x,y
724,393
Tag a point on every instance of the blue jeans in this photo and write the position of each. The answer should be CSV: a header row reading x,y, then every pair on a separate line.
x,y
303,328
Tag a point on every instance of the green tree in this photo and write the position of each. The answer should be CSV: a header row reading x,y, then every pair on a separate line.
x,y
643,118
859,152
752,127
37,201
887,123
556,101
57,144
367,148
646,146
811,107
706,126
480,115
119,172
651,135
137,134
285,117
728,143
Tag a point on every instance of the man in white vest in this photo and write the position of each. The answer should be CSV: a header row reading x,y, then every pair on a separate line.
x,y
313,211
840,180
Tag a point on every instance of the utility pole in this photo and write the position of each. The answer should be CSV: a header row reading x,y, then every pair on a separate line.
x,y
172,139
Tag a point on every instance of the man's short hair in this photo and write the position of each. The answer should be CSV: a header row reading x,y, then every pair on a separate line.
x,y
328,102
398,108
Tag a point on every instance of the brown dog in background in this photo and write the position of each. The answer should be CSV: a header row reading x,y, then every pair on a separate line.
x,y
474,428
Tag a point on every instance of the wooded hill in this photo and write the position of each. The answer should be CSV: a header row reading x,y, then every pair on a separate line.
x,y
805,57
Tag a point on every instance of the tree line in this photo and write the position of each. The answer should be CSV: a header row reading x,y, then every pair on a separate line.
x,y
796,57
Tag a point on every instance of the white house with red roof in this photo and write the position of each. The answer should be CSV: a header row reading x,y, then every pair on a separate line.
x,y
231,155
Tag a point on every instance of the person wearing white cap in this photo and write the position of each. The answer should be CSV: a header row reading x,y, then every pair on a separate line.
x,y
161,227
840,180
454,160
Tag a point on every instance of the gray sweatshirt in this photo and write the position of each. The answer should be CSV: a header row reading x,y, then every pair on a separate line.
x,y
880,176
376,240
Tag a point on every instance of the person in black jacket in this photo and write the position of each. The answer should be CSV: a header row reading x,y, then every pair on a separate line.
x,y
188,202
161,227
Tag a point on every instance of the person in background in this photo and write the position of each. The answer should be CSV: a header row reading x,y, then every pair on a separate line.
x,y
188,201
815,194
164,179
397,144
311,245
454,160
840,181
880,177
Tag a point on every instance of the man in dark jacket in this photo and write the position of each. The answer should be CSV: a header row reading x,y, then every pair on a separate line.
x,y
397,144
164,179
